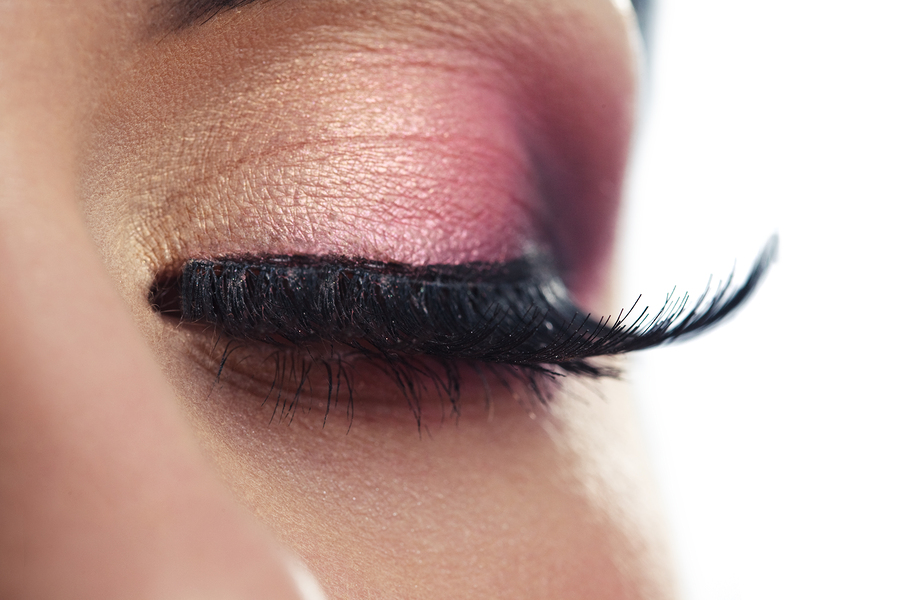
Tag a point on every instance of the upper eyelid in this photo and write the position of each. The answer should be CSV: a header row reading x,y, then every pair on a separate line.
x,y
179,142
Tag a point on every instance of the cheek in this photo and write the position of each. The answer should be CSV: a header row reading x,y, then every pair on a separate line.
x,y
507,502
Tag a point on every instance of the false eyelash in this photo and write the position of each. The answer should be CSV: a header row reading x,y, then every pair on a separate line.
x,y
516,313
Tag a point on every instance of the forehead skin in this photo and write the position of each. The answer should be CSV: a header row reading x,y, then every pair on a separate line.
x,y
429,131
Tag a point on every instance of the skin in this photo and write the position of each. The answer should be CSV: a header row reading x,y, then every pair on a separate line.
x,y
414,131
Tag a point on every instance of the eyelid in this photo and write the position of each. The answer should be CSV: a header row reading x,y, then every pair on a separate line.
x,y
275,139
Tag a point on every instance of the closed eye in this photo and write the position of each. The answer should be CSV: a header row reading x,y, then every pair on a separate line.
x,y
515,313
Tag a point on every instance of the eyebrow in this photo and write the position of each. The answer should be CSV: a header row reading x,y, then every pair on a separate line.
x,y
182,14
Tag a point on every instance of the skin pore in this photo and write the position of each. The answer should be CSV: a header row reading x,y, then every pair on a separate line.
x,y
420,132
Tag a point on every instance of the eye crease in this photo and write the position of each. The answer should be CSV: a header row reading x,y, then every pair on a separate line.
x,y
516,314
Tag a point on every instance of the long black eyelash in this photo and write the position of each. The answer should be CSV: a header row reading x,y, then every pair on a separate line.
x,y
516,313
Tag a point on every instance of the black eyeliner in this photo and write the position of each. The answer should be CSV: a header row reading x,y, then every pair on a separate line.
x,y
516,313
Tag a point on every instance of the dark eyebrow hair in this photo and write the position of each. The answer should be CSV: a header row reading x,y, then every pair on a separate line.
x,y
181,14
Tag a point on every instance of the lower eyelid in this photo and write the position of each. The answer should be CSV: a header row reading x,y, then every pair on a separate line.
x,y
333,386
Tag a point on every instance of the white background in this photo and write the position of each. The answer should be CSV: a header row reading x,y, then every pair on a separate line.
x,y
777,437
